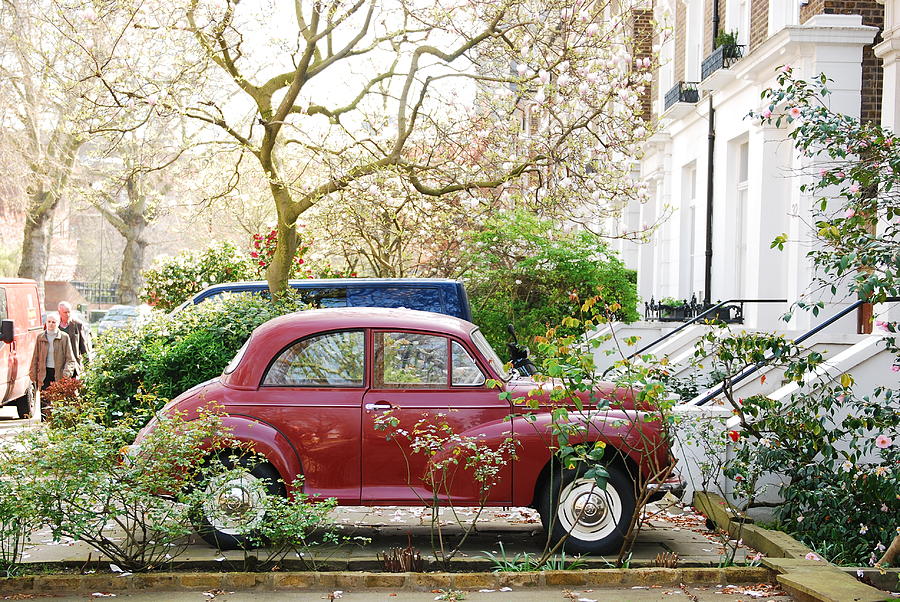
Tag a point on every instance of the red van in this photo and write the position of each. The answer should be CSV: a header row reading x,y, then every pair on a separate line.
x,y
20,312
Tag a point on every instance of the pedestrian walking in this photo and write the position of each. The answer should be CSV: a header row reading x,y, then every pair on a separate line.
x,y
79,336
53,358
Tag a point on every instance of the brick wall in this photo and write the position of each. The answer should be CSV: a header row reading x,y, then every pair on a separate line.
x,y
872,72
759,22
680,16
642,46
813,7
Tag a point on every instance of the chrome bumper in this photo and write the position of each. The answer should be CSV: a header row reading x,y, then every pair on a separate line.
x,y
674,485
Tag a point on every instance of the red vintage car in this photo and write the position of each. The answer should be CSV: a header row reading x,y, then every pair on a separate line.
x,y
306,391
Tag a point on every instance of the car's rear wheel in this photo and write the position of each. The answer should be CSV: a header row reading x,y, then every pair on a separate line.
x,y
594,519
233,503
25,404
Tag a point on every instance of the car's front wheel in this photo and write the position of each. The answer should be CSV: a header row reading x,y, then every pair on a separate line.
x,y
233,503
594,519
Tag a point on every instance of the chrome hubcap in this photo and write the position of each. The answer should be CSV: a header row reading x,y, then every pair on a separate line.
x,y
588,512
235,504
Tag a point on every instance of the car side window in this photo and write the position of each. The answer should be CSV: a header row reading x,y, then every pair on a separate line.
x,y
410,361
335,359
465,369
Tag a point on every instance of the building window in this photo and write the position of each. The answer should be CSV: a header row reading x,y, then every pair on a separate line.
x,y
740,220
688,229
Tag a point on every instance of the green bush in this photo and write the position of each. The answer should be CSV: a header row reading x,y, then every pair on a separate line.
x,y
75,481
173,353
174,280
524,270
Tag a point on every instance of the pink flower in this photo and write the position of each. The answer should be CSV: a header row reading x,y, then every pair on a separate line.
x,y
881,324
841,174
592,30
794,112
766,113
888,141
813,556
786,69
883,442
544,76
849,213
823,173
895,368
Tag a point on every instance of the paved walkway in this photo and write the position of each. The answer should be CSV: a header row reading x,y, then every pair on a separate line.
x,y
672,529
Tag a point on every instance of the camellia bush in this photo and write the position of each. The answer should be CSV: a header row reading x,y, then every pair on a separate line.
x,y
528,272
171,354
837,450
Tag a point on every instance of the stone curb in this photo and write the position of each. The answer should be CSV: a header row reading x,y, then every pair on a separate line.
x,y
804,579
396,581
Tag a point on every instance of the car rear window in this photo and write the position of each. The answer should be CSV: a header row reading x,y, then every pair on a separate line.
x,y
420,298
334,359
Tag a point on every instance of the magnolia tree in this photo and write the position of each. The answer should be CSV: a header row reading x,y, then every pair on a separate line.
x,y
451,97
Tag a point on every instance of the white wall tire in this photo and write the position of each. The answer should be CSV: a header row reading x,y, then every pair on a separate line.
x,y
595,519
234,503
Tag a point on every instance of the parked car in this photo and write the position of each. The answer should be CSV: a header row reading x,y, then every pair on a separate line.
x,y
20,325
306,388
440,295
121,316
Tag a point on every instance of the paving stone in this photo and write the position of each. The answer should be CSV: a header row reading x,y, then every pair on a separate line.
x,y
294,580
519,579
153,581
565,578
473,581
201,580
387,580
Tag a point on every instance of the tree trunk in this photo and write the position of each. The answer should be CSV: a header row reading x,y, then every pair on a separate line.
x,y
36,240
279,270
130,280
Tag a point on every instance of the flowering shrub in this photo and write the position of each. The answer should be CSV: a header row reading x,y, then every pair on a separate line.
x,y
263,249
446,455
75,481
173,280
843,499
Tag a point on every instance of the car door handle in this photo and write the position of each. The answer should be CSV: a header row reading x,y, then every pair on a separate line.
x,y
379,406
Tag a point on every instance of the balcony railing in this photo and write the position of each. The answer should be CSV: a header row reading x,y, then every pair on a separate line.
x,y
722,57
681,92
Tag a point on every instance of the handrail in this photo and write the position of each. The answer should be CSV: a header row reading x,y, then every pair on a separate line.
x,y
697,318
751,368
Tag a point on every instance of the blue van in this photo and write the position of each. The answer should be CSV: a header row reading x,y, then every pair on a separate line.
x,y
440,295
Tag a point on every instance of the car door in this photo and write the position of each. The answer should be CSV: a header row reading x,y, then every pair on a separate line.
x,y
431,395
312,393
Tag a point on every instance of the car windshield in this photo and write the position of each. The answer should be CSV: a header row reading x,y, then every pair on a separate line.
x,y
490,355
121,312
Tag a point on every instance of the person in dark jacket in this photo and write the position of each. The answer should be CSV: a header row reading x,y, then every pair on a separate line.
x,y
79,336
53,358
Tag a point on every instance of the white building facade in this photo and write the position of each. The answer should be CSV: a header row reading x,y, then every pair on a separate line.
x,y
750,175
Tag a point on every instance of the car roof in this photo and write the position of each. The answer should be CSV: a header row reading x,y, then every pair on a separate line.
x,y
277,333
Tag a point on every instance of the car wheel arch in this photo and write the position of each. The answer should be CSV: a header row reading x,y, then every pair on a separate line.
x,y
612,457
268,441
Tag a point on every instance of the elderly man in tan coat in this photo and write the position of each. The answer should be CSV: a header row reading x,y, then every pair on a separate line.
x,y
53,358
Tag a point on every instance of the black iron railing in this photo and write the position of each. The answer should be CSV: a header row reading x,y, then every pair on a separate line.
x,y
722,57
753,368
681,92
730,311
681,310
96,292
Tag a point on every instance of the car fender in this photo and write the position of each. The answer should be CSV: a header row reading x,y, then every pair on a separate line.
x,y
624,432
266,440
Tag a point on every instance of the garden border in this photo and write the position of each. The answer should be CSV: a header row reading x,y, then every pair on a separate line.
x,y
802,578
328,581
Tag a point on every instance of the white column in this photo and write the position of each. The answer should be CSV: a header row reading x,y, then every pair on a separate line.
x,y
768,204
